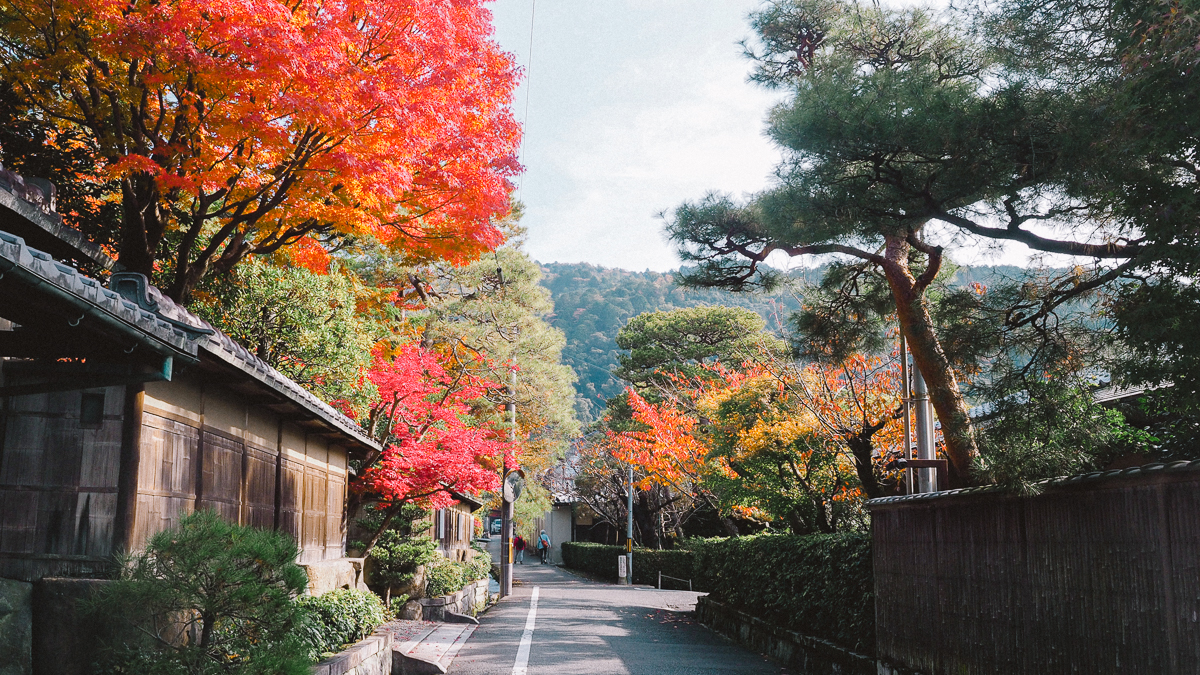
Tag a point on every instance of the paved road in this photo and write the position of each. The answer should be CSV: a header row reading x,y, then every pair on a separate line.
x,y
586,628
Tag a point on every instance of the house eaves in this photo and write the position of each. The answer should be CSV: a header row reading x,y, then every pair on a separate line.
x,y
45,231
42,281
220,353
145,320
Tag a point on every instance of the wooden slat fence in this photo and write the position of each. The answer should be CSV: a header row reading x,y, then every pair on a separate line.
x,y
1092,576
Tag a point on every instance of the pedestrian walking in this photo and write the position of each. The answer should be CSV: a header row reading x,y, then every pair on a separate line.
x,y
519,546
543,545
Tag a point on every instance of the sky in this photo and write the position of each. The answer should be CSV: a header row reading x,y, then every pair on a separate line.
x,y
633,107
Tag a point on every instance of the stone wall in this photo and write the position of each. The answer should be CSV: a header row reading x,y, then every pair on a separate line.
x,y
330,575
16,627
64,636
372,656
463,602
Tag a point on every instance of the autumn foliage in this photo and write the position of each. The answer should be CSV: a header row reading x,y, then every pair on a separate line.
x,y
245,126
432,443
801,443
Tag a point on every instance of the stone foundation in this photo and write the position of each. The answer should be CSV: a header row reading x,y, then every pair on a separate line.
x,y
473,596
372,656
64,637
330,575
16,627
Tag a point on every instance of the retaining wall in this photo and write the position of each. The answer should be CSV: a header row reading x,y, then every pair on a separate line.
x,y
809,655
475,594
371,656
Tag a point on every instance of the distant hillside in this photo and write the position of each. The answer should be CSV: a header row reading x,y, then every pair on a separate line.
x,y
592,303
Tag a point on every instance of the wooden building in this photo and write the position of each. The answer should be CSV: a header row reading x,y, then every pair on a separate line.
x,y
454,527
120,412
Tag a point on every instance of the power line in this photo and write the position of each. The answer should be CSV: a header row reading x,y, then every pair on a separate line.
x,y
528,86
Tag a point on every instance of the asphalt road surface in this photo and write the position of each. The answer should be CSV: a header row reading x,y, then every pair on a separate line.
x,y
581,627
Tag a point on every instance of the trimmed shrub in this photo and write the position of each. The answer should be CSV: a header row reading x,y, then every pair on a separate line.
x,y
597,559
443,577
601,560
821,585
339,618
678,563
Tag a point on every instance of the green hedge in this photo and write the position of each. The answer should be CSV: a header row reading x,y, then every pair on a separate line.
x,y
339,618
443,576
601,560
821,585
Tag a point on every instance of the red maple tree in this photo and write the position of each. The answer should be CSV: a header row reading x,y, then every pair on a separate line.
x,y
233,127
433,444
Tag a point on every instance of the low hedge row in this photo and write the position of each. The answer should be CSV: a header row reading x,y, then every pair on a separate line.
x,y
820,585
339,618
601,560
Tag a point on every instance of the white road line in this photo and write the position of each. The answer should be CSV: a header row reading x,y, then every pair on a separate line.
x,y
521,667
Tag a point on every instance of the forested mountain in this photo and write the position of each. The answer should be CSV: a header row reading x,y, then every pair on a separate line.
x,y
592,303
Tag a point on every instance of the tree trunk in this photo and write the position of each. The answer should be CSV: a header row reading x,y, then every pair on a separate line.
x,y
387,520
141,225
643,517
862,449
917,327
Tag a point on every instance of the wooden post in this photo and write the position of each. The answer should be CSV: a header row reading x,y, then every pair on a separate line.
x,y
127,475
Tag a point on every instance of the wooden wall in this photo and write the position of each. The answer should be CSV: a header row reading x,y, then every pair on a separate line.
x,y
203,446
199,446
452,529
1098,576
58,484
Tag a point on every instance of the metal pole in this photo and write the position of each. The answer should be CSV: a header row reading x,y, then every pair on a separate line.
x,y
506,511
906,387
925,477
629,532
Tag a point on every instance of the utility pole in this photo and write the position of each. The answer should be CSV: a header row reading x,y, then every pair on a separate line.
x,y
506,510
629,532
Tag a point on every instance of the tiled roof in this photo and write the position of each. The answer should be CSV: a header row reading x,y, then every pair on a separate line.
x,y
223,347
158,325
89,292
45,228
1063,481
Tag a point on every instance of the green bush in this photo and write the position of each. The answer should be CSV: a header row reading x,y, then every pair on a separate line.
x,y
480,565
397,558
339,618
601,560
820,585
206,597
443,577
